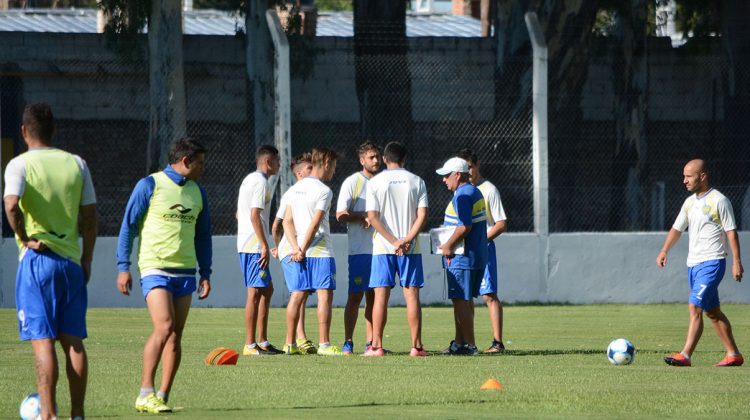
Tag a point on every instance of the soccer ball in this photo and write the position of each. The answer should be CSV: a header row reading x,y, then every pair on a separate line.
x,y
621,352
30,407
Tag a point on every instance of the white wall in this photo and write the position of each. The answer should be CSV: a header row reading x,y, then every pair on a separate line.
x,y
583,268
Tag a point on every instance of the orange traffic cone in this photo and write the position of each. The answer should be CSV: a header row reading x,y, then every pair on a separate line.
x,y
492,383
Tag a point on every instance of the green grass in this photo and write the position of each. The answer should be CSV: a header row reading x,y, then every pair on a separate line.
x,y
555,366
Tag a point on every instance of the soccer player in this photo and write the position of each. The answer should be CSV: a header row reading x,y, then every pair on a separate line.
x,y
307,229
350,208
464,271
253,238
301,167
496,225
709,218
169,211
397,209
46,189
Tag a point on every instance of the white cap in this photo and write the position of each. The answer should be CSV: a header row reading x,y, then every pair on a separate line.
x,y
454,164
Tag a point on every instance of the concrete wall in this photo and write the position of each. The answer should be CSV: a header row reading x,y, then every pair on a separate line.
x,y
583,268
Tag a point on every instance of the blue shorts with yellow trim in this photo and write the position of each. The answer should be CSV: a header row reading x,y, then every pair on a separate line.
x,y
463,283
385,268
704,279
178,286
255,276
359,273
322,272
295,275
489,279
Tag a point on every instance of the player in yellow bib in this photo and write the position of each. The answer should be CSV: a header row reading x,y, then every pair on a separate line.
x,y
169,211
46,189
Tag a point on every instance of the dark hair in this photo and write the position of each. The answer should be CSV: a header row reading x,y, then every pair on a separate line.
x,y
185,147
323,155
467,155
266,150
301,158
395,152
366,147
39,121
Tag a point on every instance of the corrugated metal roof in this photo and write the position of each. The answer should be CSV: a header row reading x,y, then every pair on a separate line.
x,y
213,22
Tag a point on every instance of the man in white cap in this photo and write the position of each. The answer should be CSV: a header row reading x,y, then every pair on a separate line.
x,y
464,271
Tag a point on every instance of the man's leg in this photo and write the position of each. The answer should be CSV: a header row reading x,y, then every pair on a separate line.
x,y
46,375
325,296
495,308
293,309
301,333
172,353
252,311
263,307
76,367
723,329
161,309
462,311
695,329
414,315
379,315
369,301
351,313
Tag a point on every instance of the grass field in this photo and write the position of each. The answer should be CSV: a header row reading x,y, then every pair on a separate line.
x,y
555,366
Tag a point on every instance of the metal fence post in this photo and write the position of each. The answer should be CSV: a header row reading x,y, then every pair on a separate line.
x,y
282,97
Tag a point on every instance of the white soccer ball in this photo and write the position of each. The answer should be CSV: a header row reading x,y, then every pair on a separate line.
x,y
30,407
621,352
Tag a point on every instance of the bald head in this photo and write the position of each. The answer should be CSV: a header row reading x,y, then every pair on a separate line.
x,y
696,176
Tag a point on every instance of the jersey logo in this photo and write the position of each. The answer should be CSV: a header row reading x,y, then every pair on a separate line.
x,y
57,234
179,207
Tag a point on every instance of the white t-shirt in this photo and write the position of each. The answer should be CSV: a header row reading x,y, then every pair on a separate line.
x,y
308,196
284,248
396,194
255,193
493,205
352,198
707,219
15,179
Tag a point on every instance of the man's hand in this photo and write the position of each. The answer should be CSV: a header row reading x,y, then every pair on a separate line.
x,y
204,288
661,259
124,282
365,223
297,255
263,260
36,245
446,251
86,266
737,270
400,247
275,252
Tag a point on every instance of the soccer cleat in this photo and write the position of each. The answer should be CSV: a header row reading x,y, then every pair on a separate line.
x,y
268,350
368,345
151,404
737,360
291,350
250,351
347,348
373,352
677,359
329,351
496,347
467,350
418,352
306,347
451,349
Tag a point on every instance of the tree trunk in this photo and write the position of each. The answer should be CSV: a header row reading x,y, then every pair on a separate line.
x,y
382,72
630,82
259,62
166,81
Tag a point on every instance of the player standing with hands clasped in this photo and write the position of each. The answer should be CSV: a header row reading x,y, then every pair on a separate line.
x,y
708,216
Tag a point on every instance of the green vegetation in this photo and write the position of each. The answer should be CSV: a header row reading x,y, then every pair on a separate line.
x,y
555,366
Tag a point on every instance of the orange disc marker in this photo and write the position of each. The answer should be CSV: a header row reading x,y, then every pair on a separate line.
x,y
492,383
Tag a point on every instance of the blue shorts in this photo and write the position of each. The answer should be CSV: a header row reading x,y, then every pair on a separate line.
x,y
463,283
255,276
295,275
704,281
51,296
359,273
385,267
322,272
489,279
177,286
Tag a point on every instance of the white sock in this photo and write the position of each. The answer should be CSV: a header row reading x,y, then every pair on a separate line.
x,y
686,356
252,346
264,344
163,395
145,392
324,345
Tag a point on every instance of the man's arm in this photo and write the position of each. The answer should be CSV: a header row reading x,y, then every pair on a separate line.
x,y
204,247
734,245
15,220
416,227
291,235
135,210
255,219
310,233
277,231
374,217
672,237
88,233
460,233
497,229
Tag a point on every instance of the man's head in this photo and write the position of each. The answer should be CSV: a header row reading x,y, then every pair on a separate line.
x,y
301,165
38,123
267,160
455,172
369,157
471,157
324,163
394,152
187,157
695,176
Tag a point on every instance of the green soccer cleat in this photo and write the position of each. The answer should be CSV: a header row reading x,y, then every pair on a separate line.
x,y
329,351
291,350
306,347
151,404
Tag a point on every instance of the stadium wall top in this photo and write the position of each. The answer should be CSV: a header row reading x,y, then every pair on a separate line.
x,y
215,22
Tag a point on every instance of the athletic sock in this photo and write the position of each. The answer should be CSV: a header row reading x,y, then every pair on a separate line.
x,y
145,392
735,354
264,344
252,346
163,395
324,345
686,356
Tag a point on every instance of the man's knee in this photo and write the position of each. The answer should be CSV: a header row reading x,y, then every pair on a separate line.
x,y
715,314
